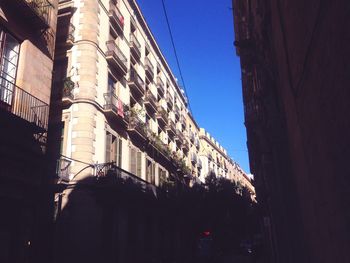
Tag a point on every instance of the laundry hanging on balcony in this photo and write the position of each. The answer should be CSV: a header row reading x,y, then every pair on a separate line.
x,y
120,108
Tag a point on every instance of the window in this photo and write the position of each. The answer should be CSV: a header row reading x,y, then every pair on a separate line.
x,y
162,176
9,52
150,172
111,84
135,162
114,149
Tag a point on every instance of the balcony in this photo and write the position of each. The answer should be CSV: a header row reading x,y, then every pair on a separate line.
x,y
115,109
67,92
160,87
24,106
199,164
70,35
197,143
36,12
177,112
158,145
65,36
162,116
170,101
183,122
116,58
131,183
136,84
135,46
138,128
150,101
193,158
185,146
116,19
149,68
179,138
191,136
171,128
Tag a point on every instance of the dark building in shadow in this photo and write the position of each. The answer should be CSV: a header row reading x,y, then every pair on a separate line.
x,y
27,36
295,75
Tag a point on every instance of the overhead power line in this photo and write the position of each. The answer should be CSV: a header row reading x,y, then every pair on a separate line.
x,y
176,56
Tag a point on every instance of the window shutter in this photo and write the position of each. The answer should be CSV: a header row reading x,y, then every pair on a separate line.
x,y
138,172
119,153
108,147
133,161
153,181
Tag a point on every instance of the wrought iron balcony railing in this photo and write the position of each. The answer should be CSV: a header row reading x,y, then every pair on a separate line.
x,y
199,164
22,104
70,35
116,17
160,87
191,136
170,101
37,12
193,158
135,45
115,56
185,146
138,126
124,178
116,106
179,137
149,68
171,128
136,83
162,115
150,101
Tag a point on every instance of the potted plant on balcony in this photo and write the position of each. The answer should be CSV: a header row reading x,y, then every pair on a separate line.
x,y
68,86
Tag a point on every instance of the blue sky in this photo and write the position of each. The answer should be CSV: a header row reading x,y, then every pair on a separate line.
x,y
204,38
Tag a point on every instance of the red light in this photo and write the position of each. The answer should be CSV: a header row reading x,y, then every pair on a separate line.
x,y
206,233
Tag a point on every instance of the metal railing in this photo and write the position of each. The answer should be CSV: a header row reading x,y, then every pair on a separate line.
x,y
199,164
71,30
138,125
111,170
148,65
191,136
42,8
135,43
115,51
111,103
160,86
22,104
162,113
150,98
135,77
116,14
170,100
193,158
171,126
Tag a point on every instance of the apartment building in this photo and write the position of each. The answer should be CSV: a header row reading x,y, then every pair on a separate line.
x,y
193,161
119,110
215,160
212,156
27,36
118,99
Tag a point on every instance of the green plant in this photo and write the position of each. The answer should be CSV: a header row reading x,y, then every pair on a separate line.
x,y
68,86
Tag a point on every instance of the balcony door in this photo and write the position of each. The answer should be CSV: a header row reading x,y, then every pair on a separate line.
x,y
150,171
9,52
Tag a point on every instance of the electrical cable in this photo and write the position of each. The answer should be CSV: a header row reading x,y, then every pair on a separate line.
x,y
176,56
